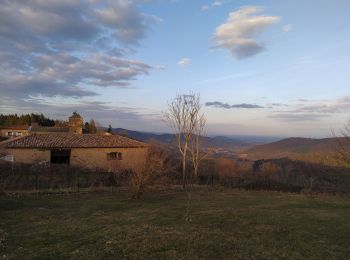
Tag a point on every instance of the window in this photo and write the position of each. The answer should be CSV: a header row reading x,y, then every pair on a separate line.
x,y
115,156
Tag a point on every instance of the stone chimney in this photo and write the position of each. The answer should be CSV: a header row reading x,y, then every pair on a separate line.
x,y
75,123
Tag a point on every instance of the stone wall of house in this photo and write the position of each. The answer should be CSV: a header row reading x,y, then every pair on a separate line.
x,y
92,158
97,158
30,155
4,132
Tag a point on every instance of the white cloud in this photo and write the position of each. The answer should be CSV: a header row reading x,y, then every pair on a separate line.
x,y
215,3
159,67
184,62
287,28
237,34
205,7
218,3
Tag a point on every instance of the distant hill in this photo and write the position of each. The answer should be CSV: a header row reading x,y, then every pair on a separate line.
x,y
215,142
309,149
256,139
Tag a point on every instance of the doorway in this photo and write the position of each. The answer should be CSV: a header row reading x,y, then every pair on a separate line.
x,y
60,156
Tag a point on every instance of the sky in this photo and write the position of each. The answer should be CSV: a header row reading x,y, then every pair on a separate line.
x,y
273,68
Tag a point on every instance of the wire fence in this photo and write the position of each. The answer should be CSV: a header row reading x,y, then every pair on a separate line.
x,y
43,177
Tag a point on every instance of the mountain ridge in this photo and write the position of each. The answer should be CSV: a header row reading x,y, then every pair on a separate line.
x,y
166,138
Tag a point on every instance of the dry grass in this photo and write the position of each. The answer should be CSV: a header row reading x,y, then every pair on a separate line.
x,y
226,224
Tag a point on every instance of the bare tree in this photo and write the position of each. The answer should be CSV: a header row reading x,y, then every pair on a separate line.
x,y
196,148
182,116
144,173
343,146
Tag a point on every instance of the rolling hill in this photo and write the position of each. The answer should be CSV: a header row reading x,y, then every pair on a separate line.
x,y
316,150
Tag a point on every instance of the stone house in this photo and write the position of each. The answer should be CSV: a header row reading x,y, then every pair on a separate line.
x,y
14,131
107,152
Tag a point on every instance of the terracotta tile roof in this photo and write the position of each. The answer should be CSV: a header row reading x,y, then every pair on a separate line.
x,y
74,141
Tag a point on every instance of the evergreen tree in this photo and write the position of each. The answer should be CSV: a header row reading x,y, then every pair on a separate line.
x,y
25,119
110,129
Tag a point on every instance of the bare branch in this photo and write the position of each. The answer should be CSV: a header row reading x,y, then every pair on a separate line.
x,y
183,115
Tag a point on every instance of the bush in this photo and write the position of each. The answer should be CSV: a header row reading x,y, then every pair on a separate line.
x,y
26,177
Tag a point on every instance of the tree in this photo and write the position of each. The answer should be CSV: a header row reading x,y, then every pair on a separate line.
x,y
86,127
92,127
196,142
60,123
182,115
25,119
143,173
343,146
110,129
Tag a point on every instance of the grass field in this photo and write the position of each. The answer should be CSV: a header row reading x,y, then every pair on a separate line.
x,y
225,225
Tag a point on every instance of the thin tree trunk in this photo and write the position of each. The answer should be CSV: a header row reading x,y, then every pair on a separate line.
x,y
184,169
196,173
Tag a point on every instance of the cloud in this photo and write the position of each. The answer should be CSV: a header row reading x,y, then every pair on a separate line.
x,y
303,100
298,117
237,34
78,20
313,110
287,28
69,47
215,3
159,67
218,3
278,105
62,74
124,16
205,7
227,106
103,112
184,62
340,105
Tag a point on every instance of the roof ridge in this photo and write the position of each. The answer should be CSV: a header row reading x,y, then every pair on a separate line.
x,y
70,140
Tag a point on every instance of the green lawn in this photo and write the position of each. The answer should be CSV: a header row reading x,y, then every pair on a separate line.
x,y
225,225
